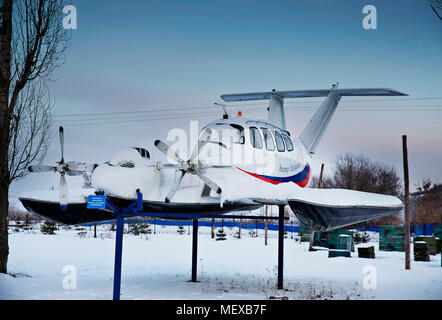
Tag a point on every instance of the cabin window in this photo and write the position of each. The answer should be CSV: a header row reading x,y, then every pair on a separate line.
x,y
237,134
143,152
270,145
279,142
255,138
288,142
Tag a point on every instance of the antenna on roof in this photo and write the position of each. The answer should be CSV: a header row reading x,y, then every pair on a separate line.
x,y
225,115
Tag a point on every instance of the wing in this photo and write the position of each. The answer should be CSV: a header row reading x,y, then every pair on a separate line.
x,y
321,209
46,205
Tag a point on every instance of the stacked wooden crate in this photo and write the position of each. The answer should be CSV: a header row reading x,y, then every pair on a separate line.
x,y
432,243
421,251
367,252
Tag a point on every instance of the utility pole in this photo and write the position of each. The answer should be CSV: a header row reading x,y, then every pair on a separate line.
x,y
310,248
407,209
266,227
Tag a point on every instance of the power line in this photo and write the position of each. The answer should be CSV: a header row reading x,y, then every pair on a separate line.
x,y
160,116
168,109
107,121
343,108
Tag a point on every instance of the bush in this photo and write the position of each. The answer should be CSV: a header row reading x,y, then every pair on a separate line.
x,y
360,237
48,227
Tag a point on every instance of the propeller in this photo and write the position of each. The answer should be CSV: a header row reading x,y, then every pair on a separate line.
x,y
192,166
71,168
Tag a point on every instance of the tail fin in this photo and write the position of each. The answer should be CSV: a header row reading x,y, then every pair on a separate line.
x,y
313,132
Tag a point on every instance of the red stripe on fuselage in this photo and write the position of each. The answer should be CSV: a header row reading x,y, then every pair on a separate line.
x,y
260,177
302,183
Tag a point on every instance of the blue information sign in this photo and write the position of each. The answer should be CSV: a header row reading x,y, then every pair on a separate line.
x,y
96,202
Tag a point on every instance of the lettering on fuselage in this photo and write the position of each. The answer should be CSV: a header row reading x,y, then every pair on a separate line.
x,y
286,170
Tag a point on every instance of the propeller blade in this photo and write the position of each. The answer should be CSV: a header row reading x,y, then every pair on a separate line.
x,y
208,166
164,148
204,138
212,185
63,192
61,134
175,186
41,168
81,166
169,166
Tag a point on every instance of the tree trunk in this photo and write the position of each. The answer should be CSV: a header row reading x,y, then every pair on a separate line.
x,y
213,229
4,248
240,226
5,116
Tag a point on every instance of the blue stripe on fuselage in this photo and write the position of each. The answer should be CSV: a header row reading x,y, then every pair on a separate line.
x,y
301,176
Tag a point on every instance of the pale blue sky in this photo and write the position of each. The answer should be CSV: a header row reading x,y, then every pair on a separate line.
x,y
147,55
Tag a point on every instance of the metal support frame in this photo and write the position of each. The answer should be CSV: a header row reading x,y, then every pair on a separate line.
x,y
120,213
194,249
136,209
118,256
281,247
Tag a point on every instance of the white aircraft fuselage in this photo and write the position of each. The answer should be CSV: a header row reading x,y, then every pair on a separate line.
x,y
244,148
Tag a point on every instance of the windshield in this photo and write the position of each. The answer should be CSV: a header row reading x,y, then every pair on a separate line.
x,y
227,133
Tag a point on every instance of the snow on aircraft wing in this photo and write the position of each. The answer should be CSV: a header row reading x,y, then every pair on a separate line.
x,y
319,209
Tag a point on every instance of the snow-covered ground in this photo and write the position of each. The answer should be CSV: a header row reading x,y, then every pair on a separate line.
x,y
158,266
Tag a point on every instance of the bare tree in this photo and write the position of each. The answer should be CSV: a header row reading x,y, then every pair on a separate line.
x,y
426,204
32,45
29,129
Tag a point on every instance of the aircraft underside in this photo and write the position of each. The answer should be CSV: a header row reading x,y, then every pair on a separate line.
x,y
77,213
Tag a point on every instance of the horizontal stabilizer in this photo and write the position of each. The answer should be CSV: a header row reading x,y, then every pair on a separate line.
x,y
311,93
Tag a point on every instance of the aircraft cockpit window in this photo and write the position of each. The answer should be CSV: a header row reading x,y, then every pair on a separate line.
x,y
255,138
143,152
288,142
270,145
230,133
279,142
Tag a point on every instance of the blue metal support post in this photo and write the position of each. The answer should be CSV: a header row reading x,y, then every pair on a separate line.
x,y
281,247
118,255
134,207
